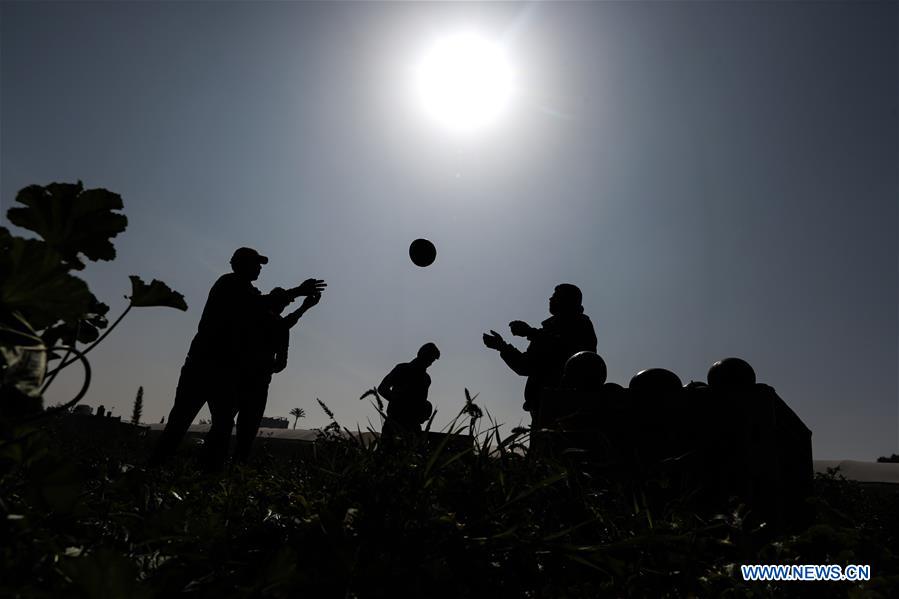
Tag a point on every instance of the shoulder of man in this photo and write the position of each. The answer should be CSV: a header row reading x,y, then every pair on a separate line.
x,y
584,320
402,367
226,283
230,283
568,321
229,278
565,327
579,327
394,371
552,325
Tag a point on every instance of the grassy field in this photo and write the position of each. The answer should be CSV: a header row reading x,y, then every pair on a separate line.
x,y
81,517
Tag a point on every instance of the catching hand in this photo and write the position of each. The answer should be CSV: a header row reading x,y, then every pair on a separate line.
x,y
311,300
310,287
494,340
520,328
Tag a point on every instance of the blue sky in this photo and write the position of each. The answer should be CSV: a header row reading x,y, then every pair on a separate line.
x,y
719,178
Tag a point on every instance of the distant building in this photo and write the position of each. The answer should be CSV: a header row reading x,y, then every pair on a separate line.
x,y
83,410
268,422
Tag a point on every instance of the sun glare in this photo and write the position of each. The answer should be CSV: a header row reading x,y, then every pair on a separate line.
x,y
464,82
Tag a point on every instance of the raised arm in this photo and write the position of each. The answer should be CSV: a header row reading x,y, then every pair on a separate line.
x,y
291,319
308,287
515,359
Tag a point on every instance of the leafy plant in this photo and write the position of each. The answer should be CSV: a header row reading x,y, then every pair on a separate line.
x,y
45,310
71,220
352,519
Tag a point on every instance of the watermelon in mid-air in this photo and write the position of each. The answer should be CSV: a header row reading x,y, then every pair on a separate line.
x,y
422,252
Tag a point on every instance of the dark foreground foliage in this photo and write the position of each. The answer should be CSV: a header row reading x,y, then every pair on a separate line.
x,y
80,517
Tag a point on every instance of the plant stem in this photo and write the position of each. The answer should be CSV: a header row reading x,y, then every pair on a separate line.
x,y
89,347
79,357
65,357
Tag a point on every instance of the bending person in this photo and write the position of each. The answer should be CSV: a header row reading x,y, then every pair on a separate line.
x,y
406,390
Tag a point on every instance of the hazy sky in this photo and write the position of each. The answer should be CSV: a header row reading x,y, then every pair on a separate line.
x,y
720,178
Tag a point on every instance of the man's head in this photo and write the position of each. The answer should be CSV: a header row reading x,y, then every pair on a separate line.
x,y
247,263
566,299
278,299
427,354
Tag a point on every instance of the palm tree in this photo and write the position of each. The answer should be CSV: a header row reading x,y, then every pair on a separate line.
x,y
138,406
297,413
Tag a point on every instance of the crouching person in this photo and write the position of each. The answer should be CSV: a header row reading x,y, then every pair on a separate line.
x,y
406,390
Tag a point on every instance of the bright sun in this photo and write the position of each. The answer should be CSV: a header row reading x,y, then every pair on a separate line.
x,y
464,82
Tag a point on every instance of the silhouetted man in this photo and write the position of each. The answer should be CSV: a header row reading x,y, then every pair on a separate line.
x,y
559,337
267,345
406,390
214,357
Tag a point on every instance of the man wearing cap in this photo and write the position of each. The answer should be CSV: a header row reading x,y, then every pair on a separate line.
x,y
559,337
215,354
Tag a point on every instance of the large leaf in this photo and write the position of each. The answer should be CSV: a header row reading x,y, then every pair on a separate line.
x,y
156,293
84,330
34,282
71,219
15,331
23,363
23,370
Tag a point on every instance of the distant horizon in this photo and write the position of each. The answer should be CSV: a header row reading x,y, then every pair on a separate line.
x,y
821,464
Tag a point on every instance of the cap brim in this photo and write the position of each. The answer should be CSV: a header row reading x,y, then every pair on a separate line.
x,y
263,259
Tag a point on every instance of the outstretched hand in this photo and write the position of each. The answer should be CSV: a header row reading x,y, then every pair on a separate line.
x,y
494,340
520,328
310,287
311,300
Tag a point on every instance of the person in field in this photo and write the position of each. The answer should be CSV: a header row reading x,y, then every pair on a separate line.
x,y
216,352
565,333
406,390
267,346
